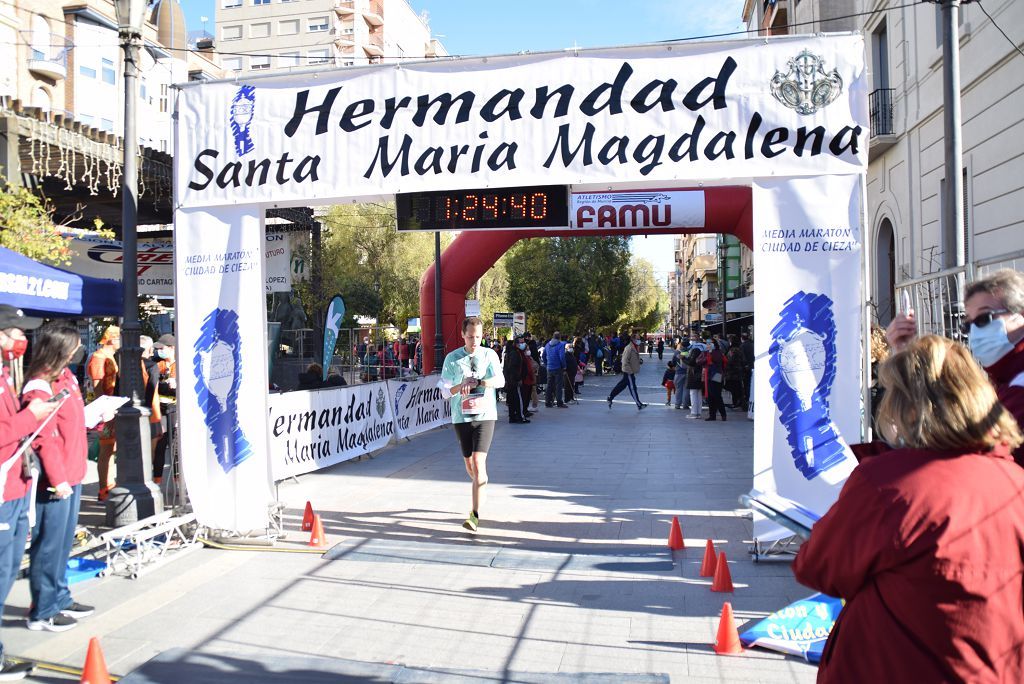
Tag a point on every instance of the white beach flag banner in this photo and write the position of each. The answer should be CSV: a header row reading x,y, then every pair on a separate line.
x,y
419,405
667,113
314,429
221,366
807,338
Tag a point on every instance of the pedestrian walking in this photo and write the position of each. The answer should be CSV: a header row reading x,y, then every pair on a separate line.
x,y
63,451
661,347
631,363
554,359
682,394
16,423
694,361
933,580
471,374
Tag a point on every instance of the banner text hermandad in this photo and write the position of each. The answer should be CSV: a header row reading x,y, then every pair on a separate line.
x,y
654,113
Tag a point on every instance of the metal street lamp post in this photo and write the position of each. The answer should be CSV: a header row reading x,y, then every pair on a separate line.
x,y
135,496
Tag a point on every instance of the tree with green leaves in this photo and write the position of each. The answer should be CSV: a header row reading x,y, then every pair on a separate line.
x,y
27,227
569,284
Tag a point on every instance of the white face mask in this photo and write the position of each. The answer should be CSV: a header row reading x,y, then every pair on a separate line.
x,y
991,343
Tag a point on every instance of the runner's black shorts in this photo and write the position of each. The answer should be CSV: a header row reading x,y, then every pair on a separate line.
x,y
475,436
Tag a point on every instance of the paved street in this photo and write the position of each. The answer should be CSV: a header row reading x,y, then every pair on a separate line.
x,y
569,573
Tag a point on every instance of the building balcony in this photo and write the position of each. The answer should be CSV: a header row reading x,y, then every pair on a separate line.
x,y
372,50
883,129
375,15
345,8
49,55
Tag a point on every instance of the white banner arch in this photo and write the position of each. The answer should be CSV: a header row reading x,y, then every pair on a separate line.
x,y
673,114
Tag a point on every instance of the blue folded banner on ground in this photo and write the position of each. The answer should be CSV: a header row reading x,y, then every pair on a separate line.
x,y
801,628
80,569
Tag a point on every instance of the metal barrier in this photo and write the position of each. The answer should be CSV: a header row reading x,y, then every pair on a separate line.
x,y
937,300
365,354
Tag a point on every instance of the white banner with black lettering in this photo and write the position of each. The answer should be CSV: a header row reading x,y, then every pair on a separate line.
x,y
662,113
807,338
310,430
101,258
222,370
419,405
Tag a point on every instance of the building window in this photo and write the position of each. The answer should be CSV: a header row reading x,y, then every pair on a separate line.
x,y
260,2
318,56
231,3
288,59
317,24
231,32
142,90
85,119
349,63
232,63
163,98
288,28
88,72
107,125
261,30
258,62
108,71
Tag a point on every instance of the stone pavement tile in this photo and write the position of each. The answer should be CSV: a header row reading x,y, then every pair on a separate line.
x,y
754,665
572,626
590,658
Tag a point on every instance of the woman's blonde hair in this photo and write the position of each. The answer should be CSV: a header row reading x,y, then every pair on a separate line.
x,y
937,397
879,344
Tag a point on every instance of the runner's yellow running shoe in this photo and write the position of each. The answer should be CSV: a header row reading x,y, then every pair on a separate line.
x,y
472,522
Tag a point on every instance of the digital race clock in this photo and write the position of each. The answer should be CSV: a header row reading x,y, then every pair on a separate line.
x,y
544,206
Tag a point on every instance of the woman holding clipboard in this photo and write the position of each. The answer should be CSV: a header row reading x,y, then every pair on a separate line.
x,y
470,375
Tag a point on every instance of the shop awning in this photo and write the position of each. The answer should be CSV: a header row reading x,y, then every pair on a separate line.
x,y
42,290
740,305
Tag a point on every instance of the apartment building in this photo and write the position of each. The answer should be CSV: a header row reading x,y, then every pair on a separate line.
x,y
906,173
263,35
68,62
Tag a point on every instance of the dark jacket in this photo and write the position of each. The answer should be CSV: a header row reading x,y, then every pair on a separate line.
x,y
694,370
1007,375
513,365
925,548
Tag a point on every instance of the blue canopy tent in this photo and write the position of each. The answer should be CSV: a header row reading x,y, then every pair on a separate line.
x,y
45,291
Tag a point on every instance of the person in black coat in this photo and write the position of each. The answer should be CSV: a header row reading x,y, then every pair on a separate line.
x,y
514,369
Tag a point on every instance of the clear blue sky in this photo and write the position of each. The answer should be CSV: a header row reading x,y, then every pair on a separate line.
x,y
487,27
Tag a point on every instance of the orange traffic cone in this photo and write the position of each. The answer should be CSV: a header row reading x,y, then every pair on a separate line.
x,y
723,578
727,641
95,670
307,518
317,538
707,566
675,535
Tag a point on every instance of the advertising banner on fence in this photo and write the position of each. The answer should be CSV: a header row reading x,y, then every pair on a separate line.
x,y
419,405
222,369
660,113
807,338
101,258
310,430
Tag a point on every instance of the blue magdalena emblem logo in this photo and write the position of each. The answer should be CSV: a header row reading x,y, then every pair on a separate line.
x,y
802,357
243,107
218,369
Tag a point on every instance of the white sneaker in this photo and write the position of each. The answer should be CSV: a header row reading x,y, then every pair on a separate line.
x,y
56,623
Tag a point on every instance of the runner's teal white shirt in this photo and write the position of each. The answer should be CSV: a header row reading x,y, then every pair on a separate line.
x,y
458,366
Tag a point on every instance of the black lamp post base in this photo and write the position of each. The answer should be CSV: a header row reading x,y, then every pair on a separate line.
x,y
136,496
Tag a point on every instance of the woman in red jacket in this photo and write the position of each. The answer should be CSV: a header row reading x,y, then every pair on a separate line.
x,y
62,452
926,541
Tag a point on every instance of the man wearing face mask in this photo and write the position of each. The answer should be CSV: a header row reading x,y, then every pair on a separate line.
x,y
16,423
994,326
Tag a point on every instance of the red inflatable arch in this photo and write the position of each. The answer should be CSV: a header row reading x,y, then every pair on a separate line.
x,y
470,255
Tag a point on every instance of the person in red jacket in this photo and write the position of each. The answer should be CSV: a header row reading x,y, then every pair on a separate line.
x,y
925,541
16,423
994,326
62,449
